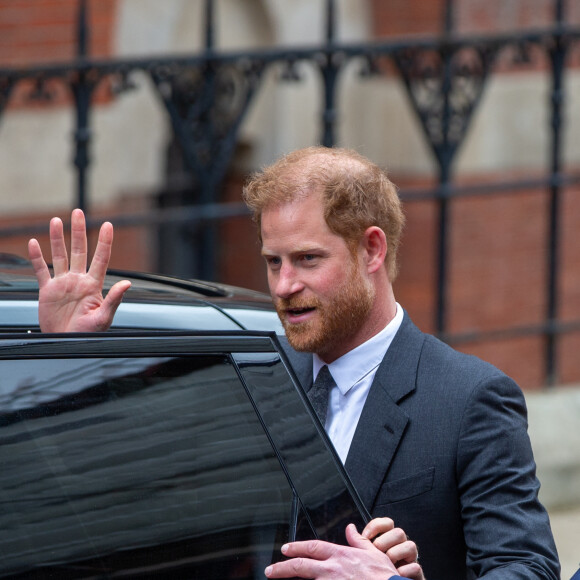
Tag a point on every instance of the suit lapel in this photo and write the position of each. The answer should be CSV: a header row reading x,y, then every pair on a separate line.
x,y
382,423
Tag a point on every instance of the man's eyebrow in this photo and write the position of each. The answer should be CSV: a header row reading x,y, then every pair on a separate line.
x,y
309,250
295,251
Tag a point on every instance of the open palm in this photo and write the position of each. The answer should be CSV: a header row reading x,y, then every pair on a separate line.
x,y
72,300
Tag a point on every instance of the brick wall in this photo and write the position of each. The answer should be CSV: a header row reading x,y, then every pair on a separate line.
x,y
241,263
497,277
497,273
44,31
397,17
400,17
37,31
133,249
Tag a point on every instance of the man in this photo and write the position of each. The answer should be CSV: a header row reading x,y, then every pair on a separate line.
x,y
431,438
72,301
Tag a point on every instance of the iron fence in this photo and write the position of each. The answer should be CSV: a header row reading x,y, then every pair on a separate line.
x,y
207,96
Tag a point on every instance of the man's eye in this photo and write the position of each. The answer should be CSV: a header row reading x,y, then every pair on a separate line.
x,y
309,257
273,261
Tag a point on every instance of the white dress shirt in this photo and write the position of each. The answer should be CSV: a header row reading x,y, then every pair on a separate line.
x,y
354,373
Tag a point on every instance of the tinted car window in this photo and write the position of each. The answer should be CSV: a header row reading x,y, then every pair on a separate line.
x,y
158,457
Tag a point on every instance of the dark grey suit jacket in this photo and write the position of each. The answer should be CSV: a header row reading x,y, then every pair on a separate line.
x,y
442,448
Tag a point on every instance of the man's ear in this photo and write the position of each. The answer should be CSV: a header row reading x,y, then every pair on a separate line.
x,y
374,244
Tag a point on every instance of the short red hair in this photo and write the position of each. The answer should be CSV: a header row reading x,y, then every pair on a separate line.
x,y
356,194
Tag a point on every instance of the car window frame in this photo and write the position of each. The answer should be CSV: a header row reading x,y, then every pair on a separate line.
x,y
237,345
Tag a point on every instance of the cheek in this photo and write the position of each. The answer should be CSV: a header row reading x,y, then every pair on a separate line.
x,y
328,283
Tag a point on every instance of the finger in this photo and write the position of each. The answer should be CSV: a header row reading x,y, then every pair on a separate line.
x,y
295,568
38,263
403,553
412,571
311,549
378,526
356,540
100,262
78,242
304,559
58,247
390,539
112,302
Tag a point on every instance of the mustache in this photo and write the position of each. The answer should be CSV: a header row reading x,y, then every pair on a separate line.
x,y
283,304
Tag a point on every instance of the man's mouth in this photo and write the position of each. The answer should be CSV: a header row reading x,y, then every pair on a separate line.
x,y
298,311
296,315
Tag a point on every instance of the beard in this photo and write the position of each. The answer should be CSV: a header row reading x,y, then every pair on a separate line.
x,y
339,317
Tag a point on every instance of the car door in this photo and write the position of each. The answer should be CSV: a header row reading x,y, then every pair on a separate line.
x,y
159,455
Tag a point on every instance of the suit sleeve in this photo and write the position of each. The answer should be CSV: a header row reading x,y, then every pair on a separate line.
x,y
506,529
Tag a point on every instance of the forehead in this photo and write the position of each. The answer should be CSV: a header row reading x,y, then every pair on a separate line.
x,y
304,211
296,224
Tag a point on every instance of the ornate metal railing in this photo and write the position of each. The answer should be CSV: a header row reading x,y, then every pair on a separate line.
x,y
207,96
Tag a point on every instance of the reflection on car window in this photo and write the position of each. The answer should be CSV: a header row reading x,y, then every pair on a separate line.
x,y
159,468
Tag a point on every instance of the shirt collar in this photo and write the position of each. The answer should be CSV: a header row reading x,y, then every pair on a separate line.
x,y
356,364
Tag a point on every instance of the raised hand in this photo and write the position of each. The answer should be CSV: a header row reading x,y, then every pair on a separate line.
x,y
72,299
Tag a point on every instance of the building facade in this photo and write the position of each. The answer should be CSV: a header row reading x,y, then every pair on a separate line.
x,y
497,244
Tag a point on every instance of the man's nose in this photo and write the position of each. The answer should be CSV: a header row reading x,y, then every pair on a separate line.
x,y
288,282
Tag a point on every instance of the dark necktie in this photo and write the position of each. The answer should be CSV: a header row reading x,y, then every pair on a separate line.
x,y
320,391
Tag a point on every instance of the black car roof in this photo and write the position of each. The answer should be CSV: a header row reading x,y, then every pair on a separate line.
x,y
154,301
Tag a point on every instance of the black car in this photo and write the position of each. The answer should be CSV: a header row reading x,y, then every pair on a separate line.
x,y
177,445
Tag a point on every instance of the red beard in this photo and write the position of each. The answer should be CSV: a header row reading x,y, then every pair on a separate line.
x,y
337,318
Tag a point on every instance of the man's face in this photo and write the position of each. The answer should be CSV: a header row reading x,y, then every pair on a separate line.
x,y
318,286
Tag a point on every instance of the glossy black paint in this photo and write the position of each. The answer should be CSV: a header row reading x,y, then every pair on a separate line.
x,y
159,455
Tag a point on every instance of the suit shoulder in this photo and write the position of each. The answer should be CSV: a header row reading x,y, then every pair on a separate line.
x,y
440,361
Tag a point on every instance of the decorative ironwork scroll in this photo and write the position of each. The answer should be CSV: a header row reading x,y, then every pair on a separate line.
x,y
444,87
206,105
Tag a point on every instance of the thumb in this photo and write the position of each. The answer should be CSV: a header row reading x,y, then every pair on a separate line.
x,y
112,301
355,540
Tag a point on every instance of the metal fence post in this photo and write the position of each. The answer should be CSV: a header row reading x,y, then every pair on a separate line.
x,y
557,58
82,96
